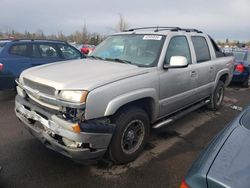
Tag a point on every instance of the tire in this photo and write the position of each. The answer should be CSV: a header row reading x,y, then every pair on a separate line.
x,y
245,83
217,97
126,145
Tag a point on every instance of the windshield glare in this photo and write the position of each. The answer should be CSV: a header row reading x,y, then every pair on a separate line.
x,y
141,50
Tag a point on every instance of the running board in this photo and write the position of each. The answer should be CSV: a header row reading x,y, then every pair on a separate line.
x,y
180,114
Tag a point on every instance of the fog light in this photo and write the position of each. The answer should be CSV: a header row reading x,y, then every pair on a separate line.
x,y
71,143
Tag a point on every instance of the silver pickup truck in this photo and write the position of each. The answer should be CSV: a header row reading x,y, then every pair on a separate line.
x,y
133,82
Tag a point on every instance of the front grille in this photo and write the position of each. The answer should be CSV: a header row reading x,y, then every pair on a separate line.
x,y
39,87
47,109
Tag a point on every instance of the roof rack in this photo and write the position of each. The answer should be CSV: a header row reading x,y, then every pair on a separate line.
x,y
156,29
5,39
14,40
191,30
160,28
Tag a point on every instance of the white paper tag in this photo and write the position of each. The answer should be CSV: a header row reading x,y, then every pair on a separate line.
x,y
152,37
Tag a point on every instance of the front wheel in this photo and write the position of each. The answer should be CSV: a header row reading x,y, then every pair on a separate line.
x,y
130,136
217,96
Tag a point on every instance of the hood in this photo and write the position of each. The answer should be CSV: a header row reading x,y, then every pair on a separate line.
x,y
231,166
81,74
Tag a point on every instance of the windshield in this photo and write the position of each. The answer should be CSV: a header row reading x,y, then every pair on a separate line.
x,y
141,50
239,56
2,45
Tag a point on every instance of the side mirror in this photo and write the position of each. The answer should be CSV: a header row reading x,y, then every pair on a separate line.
x,y
177,62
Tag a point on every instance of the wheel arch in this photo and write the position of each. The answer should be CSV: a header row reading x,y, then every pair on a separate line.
x,y
224,76
145,99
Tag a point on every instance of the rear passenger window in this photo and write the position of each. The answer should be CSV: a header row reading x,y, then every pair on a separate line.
x,y
178,46
44,51
18,49
201,49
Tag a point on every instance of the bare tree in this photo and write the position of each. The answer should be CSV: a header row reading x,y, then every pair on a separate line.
x,y
40,34
84,33
122,23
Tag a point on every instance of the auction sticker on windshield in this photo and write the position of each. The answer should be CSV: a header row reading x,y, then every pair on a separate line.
x,y
152,37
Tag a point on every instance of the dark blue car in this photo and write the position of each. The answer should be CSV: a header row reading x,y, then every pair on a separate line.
x,y
241,67
226,160
18,55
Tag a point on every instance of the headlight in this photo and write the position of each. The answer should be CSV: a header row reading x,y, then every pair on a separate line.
x,y
73,96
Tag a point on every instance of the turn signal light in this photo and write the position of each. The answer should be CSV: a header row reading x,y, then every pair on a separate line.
x,y
240,68
76,128
1,66
184,184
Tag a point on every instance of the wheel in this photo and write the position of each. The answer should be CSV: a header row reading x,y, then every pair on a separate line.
x,y
217,97
130,136
245,83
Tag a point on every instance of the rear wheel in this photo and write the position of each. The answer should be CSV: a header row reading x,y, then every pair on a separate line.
x,y
130,136
217,97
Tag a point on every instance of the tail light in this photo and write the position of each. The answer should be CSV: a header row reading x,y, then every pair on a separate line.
x,y
239,68
1,66
184,184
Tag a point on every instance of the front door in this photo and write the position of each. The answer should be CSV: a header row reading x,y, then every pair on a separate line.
x,y
43,53
177,85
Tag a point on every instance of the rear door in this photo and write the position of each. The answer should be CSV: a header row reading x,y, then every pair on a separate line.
x,y
15,59
18,58
205,66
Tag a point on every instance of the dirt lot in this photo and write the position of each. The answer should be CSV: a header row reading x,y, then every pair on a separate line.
x,y
166,159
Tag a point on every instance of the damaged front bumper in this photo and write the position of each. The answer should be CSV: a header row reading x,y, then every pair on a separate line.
x,y
56,134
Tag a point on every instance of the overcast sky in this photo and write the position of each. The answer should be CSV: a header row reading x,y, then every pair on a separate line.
x,y
220,18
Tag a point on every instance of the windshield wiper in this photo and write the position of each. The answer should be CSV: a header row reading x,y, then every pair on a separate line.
x,y
95,57
119,60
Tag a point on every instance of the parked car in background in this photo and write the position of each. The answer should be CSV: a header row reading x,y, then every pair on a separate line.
x,y
241,67
225,161
76,45
18,55
87,48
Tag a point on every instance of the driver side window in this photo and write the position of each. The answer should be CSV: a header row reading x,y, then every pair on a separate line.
x,y
178,46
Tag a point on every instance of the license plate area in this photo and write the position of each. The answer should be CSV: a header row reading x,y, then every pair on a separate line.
x,y
40,122
39,126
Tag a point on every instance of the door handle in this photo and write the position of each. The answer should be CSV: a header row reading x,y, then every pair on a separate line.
x,y
193,74
211,69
